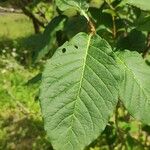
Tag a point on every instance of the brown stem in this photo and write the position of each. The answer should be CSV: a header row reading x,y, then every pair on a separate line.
x,y
116,117
146,139
36,26
91,27
120,132
146,51
30,15
114,27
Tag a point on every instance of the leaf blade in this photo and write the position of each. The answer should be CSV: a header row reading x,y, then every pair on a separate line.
x,y
72,4
142,4
80,6
49,38
79,92
134,90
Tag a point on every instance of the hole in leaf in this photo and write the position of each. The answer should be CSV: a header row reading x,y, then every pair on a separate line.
x,y
76,46
63,50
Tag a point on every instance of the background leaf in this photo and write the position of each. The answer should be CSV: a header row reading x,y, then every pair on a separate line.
x,y
142,4
48,38
143,22
135,88
75,25
79,91
72,4
135,41
80,6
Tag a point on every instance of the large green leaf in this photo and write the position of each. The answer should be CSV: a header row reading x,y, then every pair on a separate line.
x,y
142,4
78,5
79,91
135,88
48,39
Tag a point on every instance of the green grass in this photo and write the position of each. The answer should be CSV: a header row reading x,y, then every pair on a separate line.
x,y
15,26
16,32
21,125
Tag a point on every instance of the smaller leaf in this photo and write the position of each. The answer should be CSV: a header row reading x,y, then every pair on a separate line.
x,y
133,144
135,88
49,38
143,22
146,128
110,11
75,25
135,41
35,79
80,6
72,4
142,4
96,3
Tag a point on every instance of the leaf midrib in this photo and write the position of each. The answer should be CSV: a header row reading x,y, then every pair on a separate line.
x,y
80,83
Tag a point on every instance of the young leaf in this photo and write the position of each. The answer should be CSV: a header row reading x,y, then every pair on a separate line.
x,y
79,91
142,4
79,5
49,38
96,3
135,88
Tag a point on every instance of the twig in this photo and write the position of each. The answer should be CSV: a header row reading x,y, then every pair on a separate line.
x,y
91,27
114,27
120,133
146,139
114,30
30,15
23,108
146,51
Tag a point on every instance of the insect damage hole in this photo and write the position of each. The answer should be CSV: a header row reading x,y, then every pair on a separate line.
x,y
63,50
76,46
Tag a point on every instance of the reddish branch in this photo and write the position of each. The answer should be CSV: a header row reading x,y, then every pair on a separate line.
x,y
146,51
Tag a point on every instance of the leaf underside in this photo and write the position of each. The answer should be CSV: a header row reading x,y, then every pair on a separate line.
x,y
142,4
78,5
79,91
49,38
135,88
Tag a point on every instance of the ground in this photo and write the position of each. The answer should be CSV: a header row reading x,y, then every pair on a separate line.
x,y
20,116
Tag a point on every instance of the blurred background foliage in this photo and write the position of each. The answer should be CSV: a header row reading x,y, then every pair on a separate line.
x,y
30,32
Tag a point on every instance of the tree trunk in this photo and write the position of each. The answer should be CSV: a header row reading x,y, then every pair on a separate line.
x,y
36,26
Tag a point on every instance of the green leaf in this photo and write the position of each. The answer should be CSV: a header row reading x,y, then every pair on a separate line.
x,y
135,88
79,5
143,22
134,41
48,39
142,4
79,91
34,79
75,25
96,3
